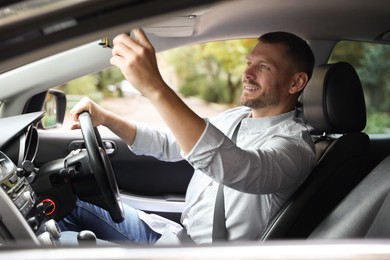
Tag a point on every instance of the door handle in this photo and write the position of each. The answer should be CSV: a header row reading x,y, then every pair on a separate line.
x,y
109,146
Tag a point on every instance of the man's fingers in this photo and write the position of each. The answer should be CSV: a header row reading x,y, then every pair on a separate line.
x,y
83,105
136,44
121,49
141,38
75,126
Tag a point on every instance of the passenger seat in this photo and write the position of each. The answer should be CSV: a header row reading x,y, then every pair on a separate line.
x,y
364,213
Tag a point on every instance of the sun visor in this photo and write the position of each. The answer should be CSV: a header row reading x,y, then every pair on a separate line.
x,y
178,26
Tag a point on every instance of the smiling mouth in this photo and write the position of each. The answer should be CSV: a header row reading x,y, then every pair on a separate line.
x,y
250,85
251,88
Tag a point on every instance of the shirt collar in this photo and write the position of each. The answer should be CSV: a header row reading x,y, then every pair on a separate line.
x,y
261,123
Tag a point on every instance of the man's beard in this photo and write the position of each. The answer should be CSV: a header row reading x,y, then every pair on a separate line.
x,y
254,102
259,101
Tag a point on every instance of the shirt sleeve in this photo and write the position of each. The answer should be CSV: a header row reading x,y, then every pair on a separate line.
x,y
279,164
159,143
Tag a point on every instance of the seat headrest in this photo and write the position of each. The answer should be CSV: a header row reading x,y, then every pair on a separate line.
x,y
333,100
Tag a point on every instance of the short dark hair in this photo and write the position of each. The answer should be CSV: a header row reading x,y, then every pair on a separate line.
x,y
298,50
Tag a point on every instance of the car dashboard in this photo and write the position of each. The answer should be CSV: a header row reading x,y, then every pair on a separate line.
x,y
24,218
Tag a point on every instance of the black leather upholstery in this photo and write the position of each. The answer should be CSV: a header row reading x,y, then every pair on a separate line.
x,y
334,101
364,213
333,104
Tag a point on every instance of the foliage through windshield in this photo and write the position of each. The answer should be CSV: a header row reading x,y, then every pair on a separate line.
x,y
212,75
209,82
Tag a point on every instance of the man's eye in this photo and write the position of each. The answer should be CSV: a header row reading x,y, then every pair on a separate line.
x,y
263,67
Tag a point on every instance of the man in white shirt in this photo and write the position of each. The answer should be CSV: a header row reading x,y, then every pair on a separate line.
x,y
260,152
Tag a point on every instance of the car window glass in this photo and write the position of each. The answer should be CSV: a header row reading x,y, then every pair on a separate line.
x,y
372,63
206,76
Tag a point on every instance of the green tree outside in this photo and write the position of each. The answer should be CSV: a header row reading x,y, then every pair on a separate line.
x,y
372,63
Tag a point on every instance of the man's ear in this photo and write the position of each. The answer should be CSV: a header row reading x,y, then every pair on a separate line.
x,y
300,80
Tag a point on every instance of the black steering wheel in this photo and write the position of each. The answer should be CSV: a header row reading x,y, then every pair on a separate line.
x,y
101,168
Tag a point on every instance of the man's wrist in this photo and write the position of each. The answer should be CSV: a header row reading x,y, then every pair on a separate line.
x,y
109,119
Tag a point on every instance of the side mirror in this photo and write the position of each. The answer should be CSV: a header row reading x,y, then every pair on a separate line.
x,y
55,107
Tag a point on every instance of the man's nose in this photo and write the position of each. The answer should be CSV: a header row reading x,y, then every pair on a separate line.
x,y
248,73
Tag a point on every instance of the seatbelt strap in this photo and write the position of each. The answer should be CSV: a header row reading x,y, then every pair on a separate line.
x,y
184,238
219,220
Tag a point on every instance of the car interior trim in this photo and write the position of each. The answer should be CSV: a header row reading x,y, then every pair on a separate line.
x,y
168,204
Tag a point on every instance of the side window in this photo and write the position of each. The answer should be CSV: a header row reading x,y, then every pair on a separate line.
x,y
372,63
206,76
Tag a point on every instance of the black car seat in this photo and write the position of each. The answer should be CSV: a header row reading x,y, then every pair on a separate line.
x,y
364,213
333,105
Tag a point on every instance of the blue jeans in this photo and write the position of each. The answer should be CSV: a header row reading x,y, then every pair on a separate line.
x,y
86,216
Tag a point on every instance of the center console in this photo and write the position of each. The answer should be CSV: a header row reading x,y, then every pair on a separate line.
x,y
24,217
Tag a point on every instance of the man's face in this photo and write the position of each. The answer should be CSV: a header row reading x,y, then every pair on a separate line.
x,y
267,77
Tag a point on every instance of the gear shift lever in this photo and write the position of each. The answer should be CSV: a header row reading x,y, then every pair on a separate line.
x,y
86,238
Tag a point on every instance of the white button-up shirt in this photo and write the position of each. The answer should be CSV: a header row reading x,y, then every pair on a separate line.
x,y
271,157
